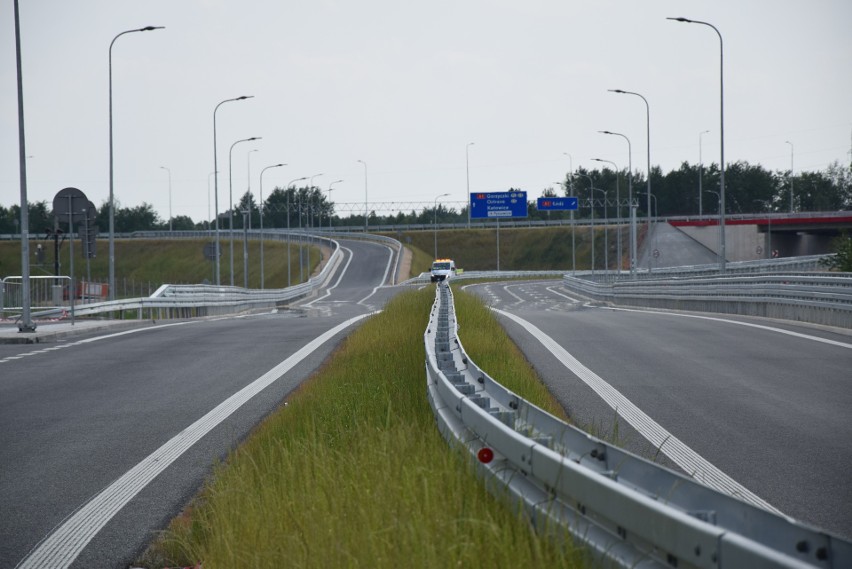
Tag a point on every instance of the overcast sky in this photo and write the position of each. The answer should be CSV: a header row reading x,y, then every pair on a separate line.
x,y
405,86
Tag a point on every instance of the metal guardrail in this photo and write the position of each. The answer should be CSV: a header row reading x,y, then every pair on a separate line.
x,y
181,301
818,298
631,512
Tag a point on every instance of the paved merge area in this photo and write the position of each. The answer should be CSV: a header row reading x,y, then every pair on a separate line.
x,y
52,330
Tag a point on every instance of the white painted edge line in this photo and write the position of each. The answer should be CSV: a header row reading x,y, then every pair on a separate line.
x,y
690,461
62,546
556,292
337,282
518,299
736,322
93,339
384,277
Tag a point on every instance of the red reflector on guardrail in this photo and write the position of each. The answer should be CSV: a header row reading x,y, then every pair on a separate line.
x,y
485,455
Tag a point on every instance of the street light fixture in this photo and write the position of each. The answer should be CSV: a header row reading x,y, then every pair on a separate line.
x,y
330,187
648,145
216,182
170,196
629,198
722,252
111,179
287,194
231,200
262,278
435,221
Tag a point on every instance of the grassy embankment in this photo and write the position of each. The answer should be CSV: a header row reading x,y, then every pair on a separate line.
x,y
520,249
353,472
142,265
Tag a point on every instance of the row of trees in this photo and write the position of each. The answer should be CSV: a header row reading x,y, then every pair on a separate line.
x,y
749,189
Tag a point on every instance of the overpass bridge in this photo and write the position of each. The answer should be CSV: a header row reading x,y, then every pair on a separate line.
x,y
748,237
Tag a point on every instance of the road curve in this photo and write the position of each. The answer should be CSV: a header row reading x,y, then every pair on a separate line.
x,y
766,402
77,416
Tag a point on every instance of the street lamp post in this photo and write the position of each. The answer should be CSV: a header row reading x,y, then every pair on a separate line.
x,y
231,200
26,324
606,232
287,193
247,220
791,174
330,187
722,252
629,198
656,217
310,203
700,174
366,201
111,179
260,205
592,208
170,196
648,145
216,183
209,219
569,185
435,221
467,172
617,213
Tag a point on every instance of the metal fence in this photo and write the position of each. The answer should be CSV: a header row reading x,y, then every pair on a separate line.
x,y
46,294
631,512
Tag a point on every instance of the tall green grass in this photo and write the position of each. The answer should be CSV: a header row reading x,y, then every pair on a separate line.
x,y
353,473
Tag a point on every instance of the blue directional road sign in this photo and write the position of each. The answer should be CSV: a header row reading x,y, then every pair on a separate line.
x,y
556,204
498,204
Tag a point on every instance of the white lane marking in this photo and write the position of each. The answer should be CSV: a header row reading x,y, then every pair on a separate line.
x,y
690,461
738,323
513,295
573,300
384,278
59,549
87,341
339,278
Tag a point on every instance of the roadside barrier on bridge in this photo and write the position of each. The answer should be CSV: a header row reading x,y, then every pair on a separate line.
x,y
818,298
630,511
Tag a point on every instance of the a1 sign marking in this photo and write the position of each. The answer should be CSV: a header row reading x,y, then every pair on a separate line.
x,y
557,204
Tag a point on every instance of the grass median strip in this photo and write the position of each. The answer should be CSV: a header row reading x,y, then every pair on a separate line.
x,y
353,472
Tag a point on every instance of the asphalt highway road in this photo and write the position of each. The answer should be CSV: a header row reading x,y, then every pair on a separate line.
x,y
78,415
767,404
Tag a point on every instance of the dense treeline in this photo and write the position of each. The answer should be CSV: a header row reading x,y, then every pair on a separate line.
x,y
748,189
